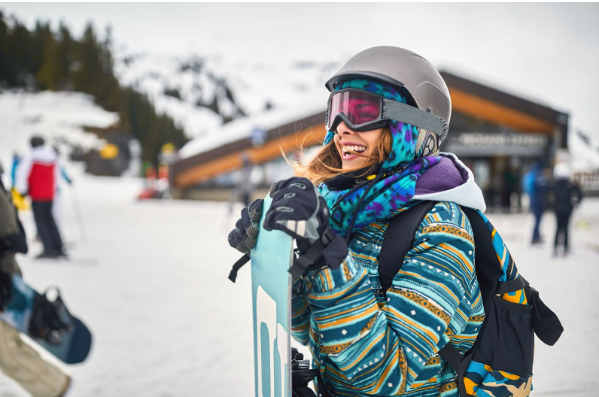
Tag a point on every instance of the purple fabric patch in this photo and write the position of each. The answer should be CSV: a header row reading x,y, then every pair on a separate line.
x,y
444,176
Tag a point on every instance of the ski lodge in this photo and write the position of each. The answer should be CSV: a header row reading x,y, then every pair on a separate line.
x,y
497,134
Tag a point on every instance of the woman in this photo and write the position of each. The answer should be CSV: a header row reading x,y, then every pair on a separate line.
x,y
387,115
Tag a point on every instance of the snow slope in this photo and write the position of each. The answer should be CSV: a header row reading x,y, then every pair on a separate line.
x,y
168,322
183,86
53,115
584,152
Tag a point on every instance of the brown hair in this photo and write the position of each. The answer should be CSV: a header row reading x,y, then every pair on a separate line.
x,y
326,164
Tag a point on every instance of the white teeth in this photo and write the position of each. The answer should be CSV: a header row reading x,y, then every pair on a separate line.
x,y
356,148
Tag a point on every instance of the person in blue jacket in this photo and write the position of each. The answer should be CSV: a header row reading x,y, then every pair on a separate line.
x,y
387,115
535,185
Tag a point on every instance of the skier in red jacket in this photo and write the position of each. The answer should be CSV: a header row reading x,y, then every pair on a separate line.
x,y
37,176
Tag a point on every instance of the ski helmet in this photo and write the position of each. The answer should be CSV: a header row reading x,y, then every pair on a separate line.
x,y
415,76
561,171
36,141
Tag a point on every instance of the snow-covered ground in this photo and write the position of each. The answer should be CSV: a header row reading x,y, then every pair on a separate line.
x,y
168,322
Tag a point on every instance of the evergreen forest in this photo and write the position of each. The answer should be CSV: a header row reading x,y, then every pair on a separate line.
x,y
44,59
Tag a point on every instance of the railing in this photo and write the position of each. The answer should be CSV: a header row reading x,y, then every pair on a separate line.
x,y
588,181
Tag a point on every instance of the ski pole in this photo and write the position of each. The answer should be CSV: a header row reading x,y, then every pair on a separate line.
x,y
79,216
231,205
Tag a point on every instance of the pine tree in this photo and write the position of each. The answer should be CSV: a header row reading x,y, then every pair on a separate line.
x,y
88,63
109,94
48,74
65,57
58,61
5,65
40,39
18,53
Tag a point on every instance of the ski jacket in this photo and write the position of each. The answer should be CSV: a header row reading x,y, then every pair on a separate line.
x,y
535,185
367,343
38,173
566,195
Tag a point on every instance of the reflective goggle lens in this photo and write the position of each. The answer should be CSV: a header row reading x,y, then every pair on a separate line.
x,y
358,106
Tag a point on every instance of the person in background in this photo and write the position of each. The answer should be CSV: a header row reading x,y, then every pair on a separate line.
x,y
13,169
37,176
509,187
245,187
535,185
17,199
567,195
18,360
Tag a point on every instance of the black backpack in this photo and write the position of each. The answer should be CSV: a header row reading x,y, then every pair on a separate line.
x,y
505,343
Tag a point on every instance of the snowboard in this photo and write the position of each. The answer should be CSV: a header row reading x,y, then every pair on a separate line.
x,y
271,304
49,323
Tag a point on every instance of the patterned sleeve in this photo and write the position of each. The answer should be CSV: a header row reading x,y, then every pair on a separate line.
x,y
300,311
381,350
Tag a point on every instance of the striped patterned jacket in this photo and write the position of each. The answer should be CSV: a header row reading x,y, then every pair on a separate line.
x,y
366,343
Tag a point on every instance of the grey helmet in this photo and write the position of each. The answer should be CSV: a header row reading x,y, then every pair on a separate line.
x,y
402,68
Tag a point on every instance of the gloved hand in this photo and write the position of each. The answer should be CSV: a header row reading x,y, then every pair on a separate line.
x,y
5,289
298,210
18,200
245,235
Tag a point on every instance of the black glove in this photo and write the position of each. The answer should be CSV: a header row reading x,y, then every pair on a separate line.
x,y
245,235
5,289
298,210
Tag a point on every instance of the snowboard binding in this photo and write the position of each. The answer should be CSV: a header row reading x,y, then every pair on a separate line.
x,y
302,375
50,319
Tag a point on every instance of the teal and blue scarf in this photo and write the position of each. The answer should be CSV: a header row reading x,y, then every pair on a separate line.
x,y
395,184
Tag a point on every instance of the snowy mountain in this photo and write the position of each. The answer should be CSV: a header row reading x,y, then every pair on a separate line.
x,y
60,117
203,92
584,152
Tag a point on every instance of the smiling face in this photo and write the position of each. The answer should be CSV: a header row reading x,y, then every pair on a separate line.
x,y
348,141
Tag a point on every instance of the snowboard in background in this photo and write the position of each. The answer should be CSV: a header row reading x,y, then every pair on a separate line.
x,y
271,304
71,345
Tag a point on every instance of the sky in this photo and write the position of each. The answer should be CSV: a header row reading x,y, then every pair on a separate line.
x,y
546,52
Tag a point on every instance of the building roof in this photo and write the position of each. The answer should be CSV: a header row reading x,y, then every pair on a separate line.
x,y
537,115
303,126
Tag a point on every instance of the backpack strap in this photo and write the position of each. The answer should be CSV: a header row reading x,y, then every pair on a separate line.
x,y
547,326
488,268
459,364
510,286
240,262
399,239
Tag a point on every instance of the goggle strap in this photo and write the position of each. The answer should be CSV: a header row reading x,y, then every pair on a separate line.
x,y
408,114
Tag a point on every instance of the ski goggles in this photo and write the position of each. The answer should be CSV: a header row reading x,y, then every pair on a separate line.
x,y
365,111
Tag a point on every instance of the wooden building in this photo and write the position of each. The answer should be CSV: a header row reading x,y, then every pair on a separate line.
x,y
496,133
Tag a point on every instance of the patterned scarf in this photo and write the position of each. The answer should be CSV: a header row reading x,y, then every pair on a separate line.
x,y
381,198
